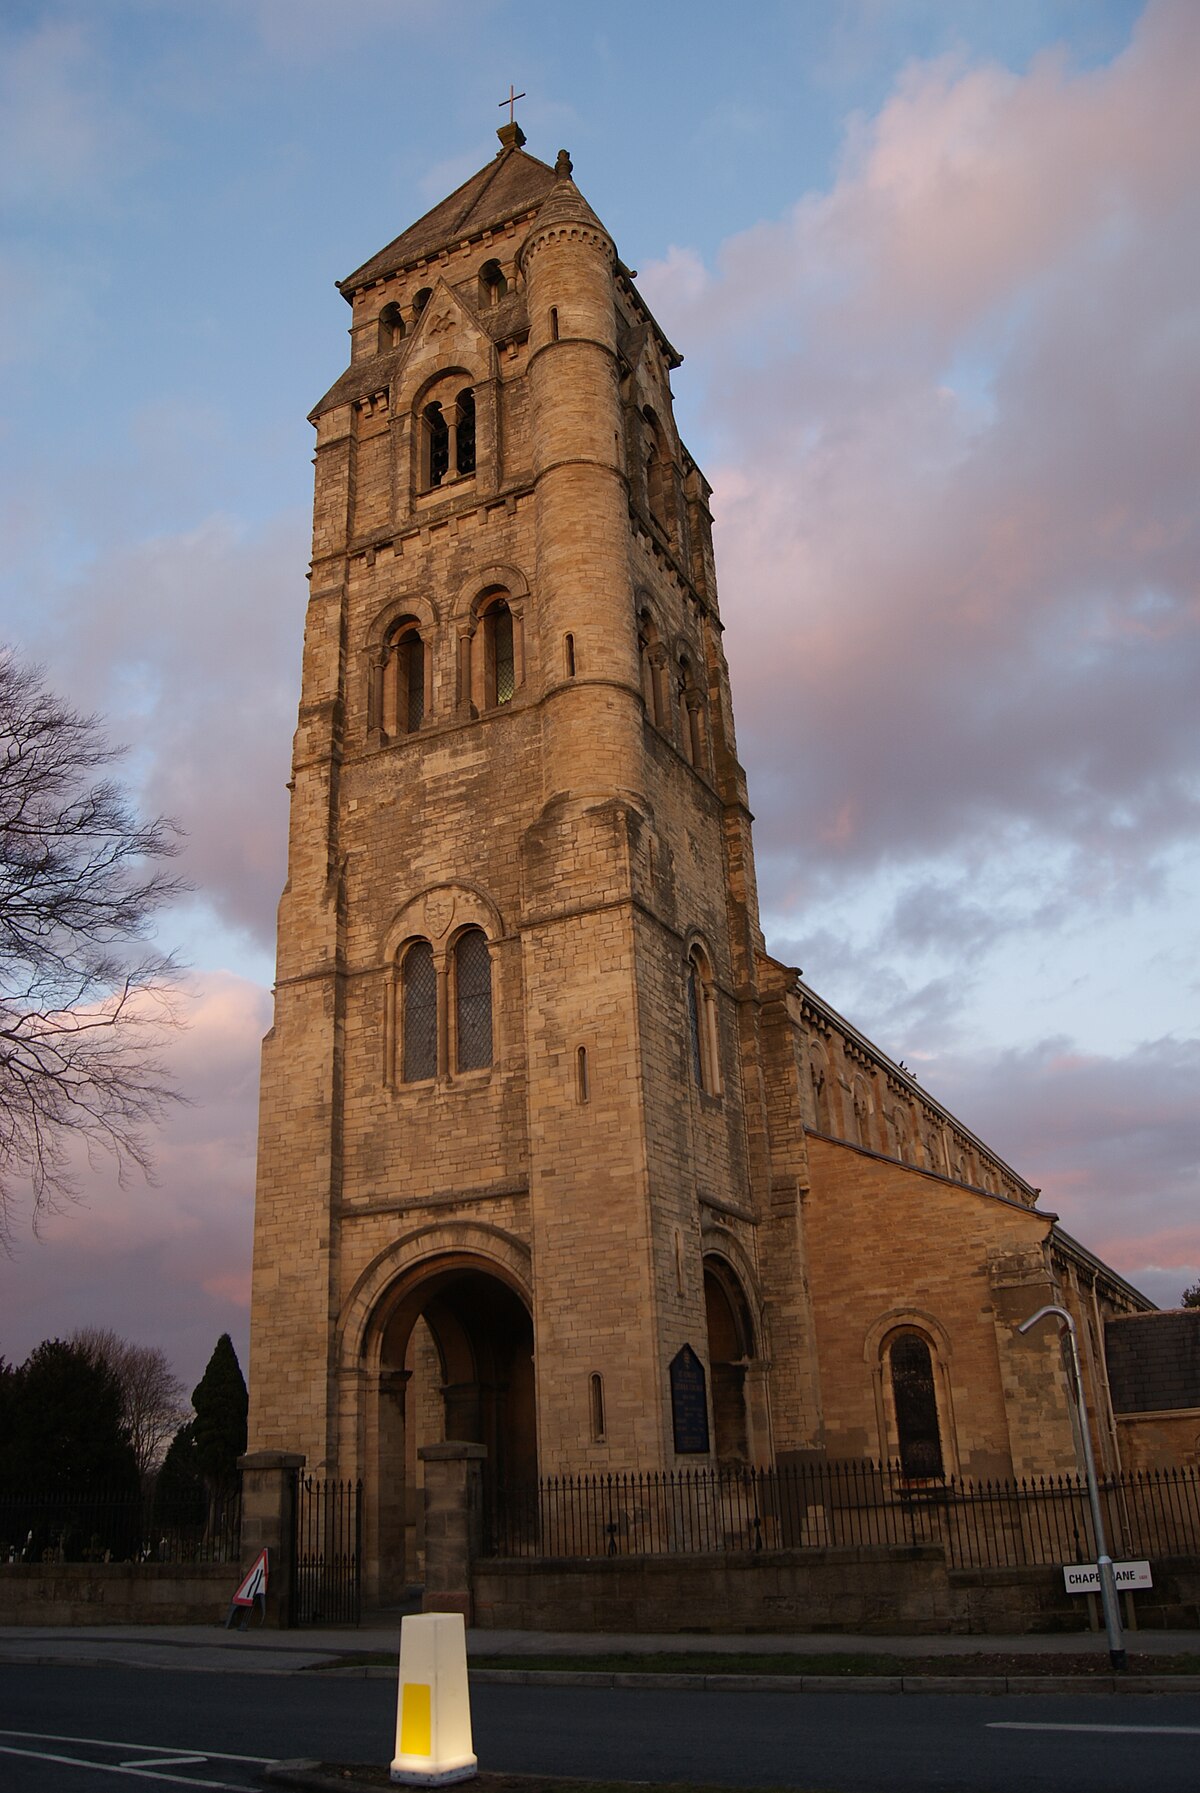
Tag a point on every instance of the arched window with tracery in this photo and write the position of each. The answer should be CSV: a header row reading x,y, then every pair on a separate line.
x,y
472,1001
914,1399
702,1022
418,1013
402,709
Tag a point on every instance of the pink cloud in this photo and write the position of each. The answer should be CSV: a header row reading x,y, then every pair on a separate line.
x,y
957,532
1113,1140
164,1263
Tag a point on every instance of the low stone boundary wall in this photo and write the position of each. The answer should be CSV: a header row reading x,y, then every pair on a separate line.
x,y
116,1593
896,1591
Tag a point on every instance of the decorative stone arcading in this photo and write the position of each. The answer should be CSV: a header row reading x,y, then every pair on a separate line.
x,y
590,235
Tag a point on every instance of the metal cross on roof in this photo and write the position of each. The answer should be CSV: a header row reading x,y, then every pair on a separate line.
x,y
511,101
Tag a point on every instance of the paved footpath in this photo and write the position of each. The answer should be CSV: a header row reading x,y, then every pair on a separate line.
x,y
264,1652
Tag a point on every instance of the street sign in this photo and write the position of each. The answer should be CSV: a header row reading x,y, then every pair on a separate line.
x,y
255,1584
1084,1578
252,1587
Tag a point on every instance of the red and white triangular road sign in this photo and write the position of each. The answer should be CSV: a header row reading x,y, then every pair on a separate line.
x,y
254,1587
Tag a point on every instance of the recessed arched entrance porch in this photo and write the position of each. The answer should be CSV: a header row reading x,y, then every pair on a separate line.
x,y
741,1423
445,1352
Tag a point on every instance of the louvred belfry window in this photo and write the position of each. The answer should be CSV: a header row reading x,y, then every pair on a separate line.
x,y
437,445
465,435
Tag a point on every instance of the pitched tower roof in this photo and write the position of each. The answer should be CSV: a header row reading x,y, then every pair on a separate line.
x,y
510,186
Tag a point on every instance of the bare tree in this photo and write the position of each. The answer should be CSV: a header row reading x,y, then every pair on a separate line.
x,y
83,997
153,1403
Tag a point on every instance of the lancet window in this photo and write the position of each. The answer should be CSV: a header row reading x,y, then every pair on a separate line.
x,y
391,327
472,1001
702,1022
419,1006
492,284
403,675
499,648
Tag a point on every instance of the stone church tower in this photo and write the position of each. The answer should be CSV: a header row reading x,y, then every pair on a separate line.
x,y
542,1125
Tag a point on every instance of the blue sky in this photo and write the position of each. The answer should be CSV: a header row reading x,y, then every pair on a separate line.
x,y
934,271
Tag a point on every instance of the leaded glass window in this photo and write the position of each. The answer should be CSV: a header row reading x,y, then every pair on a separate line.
x,y
418,983
412,671
916,1407
473,1000
503,663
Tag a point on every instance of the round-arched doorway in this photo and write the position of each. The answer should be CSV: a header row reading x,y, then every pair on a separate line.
x,y
455,1343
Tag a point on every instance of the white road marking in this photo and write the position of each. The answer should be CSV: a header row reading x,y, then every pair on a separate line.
x,y
216,1755
180,1761
1012,1724
145,1774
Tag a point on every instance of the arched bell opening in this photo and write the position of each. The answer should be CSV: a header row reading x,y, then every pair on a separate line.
x,y
455,1363
731,1357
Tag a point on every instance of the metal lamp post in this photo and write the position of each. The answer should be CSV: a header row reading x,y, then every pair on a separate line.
x,y
1108,1584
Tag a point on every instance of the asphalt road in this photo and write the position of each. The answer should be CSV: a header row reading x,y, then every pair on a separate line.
x,y
95,1730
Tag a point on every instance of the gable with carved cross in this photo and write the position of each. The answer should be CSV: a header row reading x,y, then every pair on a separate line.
x,y
447,335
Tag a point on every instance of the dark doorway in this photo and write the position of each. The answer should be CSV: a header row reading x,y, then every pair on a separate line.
x,y
730,1348
457,1363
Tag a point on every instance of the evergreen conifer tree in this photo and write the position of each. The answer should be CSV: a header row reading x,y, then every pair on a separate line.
x,y
219,1428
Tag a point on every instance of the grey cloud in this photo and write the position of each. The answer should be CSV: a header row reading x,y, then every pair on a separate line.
x,y
1114,1140
189,646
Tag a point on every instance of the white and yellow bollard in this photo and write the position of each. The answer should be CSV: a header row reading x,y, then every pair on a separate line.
x,y
433,1706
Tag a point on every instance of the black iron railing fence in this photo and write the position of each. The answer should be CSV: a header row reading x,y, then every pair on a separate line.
x,y
1042,1520
327,1561
66,1524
